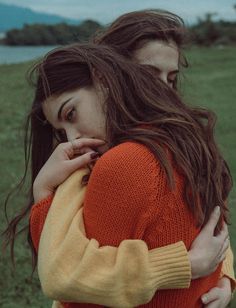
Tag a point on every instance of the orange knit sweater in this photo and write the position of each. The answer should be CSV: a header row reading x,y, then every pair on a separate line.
x,y
129,196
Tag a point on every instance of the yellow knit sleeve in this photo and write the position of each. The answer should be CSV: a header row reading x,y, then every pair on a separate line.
x,y
228,268
74,268
57,304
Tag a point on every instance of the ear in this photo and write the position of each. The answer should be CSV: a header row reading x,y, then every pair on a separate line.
x,y
99,82
98,77
101,90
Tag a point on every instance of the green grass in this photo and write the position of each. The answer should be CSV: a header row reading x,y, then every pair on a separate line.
x,y
16,288
209,82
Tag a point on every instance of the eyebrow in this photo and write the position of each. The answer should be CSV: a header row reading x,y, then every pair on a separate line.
x,y
60,109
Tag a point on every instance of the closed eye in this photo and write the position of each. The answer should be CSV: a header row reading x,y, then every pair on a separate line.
x,y
171,81
70,115
172,76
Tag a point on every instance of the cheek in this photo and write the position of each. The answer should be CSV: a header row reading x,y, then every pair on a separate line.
x,y
91,120
89,126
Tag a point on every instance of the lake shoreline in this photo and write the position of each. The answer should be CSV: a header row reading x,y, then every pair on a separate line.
x,y
20,54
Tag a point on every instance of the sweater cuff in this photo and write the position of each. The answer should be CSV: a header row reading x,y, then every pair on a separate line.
x,y
37,219
44,202
170,267
228,270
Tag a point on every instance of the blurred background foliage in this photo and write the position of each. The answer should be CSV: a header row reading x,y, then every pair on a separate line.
x,y
205,32
60,34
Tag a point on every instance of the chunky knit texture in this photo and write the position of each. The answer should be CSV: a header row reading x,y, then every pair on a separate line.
x,y
128,195
38,216
126,276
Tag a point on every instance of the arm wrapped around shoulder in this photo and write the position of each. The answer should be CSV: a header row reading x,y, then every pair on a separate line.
x,y
77,269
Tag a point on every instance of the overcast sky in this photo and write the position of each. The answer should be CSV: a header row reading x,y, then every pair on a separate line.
x,y
106,10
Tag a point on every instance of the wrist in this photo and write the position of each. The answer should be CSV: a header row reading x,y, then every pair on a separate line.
x,y
194,261
40,193
224,282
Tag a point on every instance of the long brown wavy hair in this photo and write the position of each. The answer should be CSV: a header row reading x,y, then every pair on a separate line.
x,y
141,108
133,30
125,35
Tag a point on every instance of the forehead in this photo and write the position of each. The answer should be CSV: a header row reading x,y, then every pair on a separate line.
x,y
163,55
52,104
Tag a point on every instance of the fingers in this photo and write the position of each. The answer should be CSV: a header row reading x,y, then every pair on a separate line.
x,y
222,258
83,160
78,146
213,220
86,142
83,150
224,233
214,304
85,145
211,296
222,254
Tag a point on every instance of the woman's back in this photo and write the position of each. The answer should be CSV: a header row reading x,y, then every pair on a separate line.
x,y
129,195
173,222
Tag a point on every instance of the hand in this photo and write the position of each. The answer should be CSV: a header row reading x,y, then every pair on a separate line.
x,y
207,250
220,296
62,163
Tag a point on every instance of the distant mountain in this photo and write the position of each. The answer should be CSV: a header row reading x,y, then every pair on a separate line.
x,y
12,16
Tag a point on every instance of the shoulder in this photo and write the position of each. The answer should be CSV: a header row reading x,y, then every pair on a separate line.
x,y
121,192
129,162
131,153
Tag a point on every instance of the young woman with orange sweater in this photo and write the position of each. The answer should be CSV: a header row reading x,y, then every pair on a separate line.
x,y
143,183
158,43
65,255
174,249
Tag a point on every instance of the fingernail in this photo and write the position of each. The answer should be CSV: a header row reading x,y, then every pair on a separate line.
x,y
94,155
204,299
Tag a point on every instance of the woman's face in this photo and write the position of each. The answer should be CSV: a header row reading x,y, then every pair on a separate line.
x,y
76,114
79,113
162,55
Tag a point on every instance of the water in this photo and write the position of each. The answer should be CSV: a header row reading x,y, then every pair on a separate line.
x,y
17,54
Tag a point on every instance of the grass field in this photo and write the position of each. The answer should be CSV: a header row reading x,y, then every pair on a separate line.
x,y
209,82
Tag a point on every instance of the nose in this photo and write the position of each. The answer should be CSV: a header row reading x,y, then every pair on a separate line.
x,y
72,134
163,77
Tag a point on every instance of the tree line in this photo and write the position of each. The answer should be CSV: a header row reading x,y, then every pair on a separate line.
x,y
59,34
205,32
208,32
